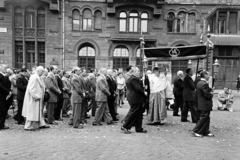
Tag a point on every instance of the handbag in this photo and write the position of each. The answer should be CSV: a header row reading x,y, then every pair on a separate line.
x,y
46,96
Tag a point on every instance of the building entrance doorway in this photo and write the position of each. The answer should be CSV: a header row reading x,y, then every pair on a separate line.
x,y
228,73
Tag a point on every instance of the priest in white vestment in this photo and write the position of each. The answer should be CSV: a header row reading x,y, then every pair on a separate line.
x,y
34,102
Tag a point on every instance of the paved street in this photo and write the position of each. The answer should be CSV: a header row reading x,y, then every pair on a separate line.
x,y
168,142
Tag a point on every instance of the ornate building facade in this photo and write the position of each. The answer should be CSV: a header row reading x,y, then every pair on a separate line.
x,y
105,33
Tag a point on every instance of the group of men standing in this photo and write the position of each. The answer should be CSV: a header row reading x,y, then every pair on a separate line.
x,y
196,97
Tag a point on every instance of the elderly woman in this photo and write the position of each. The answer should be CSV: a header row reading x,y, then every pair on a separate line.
x,y
120,88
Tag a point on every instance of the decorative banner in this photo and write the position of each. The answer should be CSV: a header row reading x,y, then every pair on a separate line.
x,y
176,53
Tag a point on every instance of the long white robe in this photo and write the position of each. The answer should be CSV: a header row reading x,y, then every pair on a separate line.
x,y
34,101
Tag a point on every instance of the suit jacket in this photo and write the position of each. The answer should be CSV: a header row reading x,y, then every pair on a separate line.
x,y
204,96
178,87
22,83
189,89
112,86
77,89
52,87
4,88
67,86
60,86
135,94
102,89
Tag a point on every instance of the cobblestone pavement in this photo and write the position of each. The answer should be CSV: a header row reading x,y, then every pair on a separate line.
x,y
168,142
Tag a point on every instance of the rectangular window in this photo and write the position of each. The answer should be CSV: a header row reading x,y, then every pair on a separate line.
x,y
30,20
19,54
133,24
76,25
87,24
18,20
41,52
233,18
41,21
122,25
144,25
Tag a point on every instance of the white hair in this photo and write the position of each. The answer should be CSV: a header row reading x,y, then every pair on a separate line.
x,y
109,70
102,70
91,75
180,73
39,68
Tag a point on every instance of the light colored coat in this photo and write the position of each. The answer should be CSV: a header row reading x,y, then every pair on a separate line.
x,y
77,89
102,89
31,106
52,87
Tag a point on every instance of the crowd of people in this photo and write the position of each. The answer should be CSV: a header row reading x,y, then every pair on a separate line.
x,y
46,95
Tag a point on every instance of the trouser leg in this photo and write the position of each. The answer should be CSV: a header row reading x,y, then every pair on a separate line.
x,y
3,113
77,115
106,114
184,111
99,112
194,111
20,118
58,108
202,126
130,118
50,111
139,118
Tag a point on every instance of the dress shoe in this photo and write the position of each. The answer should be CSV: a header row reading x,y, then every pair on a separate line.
x,y
5,127
30,129
110,123
115,119
210,135
97,124
197,135
142,131
78,127
59,119
176,115
125,130
54,123
185,121
46,126
70,123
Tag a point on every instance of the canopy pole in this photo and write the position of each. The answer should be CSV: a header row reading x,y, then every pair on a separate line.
x,y
197,68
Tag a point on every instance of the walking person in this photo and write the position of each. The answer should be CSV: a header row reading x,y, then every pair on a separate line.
x,y
205,104
22,83
178,93
58,109
189,98
102,93
5,94
34,102
135,97
238,83
54,91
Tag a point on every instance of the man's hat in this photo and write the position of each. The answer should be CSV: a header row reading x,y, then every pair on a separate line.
x,y
199,70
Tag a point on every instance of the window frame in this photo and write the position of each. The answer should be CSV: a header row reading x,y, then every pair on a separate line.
x,y
87,57
142,19
77,20
135,22
123,19
87,21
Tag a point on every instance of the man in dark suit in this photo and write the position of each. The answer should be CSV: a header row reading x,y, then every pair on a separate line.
x,y
205,95
22,83
54,91
189,98
58,109
111,99
178,93
135,97
5,93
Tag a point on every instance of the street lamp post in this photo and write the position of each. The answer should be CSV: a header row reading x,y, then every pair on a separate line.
x,y
215,70
142,43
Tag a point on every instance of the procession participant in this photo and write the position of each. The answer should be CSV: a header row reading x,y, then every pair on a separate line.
x,y
22,83
102,92
85,98
189,98
178,93
76,99
115,75
5,94
58,109
10,79
54,91
157,102
66,94
112,89
121,84
34,102
91,88
135,97
205,95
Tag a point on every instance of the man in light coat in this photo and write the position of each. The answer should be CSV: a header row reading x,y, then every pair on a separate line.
x,y
34,102
54,91
102,93
66,93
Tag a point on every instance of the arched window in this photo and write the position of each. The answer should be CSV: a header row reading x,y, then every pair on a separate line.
x,y
75,20
18,17
41,18
30,17
170,22
138,57
120,57
87,57
87,20
98,20
191,23
181,22
133,21
144,22
123,22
